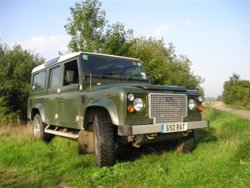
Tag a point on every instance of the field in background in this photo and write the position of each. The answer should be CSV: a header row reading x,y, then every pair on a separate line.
x,y
221,159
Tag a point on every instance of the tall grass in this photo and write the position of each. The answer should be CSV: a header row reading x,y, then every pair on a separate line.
x,y
221,159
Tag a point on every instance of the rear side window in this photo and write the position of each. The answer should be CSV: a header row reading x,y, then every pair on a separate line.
x,y
54,77
39,81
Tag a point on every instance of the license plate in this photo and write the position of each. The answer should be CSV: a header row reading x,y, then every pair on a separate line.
x,y
173,127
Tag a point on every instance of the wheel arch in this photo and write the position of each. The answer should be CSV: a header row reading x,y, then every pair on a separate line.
x,y
99,106
38,109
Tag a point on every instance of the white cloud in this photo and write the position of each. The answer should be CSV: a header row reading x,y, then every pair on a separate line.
x,y
160,30
47,46
188,23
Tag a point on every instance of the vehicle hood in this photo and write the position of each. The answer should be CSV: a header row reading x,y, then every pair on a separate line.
x,y
162,87
144,86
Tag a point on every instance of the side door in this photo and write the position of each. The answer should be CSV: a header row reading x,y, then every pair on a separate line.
x,y
52,94
69,96
38,95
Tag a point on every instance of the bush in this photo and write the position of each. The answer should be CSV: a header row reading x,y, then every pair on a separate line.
x,y
16,65
236,91
7,117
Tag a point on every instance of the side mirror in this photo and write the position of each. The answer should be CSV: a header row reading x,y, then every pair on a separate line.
x,y
69,77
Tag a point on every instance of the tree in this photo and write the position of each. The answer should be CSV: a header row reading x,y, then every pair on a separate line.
x,y
117,40
236,91
16,65
219,98
86,26
153,53
163,65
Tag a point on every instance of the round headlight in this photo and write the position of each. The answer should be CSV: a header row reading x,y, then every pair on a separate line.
x,y
191,104
200,99
131,97
138,104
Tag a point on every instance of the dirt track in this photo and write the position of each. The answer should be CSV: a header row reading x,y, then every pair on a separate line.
x,y
221,106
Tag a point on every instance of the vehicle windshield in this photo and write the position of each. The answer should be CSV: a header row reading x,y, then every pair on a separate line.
x,y
109,66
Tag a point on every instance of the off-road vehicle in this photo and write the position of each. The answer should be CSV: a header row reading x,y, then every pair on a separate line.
x,y
101,100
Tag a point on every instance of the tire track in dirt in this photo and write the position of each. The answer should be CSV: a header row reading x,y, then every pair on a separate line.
x,y
221,106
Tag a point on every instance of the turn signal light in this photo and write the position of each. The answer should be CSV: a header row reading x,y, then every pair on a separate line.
x,y
200,107
131,109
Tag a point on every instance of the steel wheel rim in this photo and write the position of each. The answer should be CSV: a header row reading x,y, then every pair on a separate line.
x,y
37,129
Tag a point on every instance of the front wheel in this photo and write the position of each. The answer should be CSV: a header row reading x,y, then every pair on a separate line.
x,y
38,129
104,142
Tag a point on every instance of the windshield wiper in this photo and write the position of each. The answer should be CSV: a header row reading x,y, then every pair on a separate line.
x,y
111,74
131,76
102,76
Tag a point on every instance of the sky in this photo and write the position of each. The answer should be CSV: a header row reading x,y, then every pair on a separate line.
x,y
214,35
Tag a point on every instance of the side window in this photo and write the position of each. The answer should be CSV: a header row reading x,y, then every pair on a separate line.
x,y
39,81
54,77
71,74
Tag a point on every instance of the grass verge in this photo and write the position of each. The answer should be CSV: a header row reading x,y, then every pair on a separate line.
x,y
221,159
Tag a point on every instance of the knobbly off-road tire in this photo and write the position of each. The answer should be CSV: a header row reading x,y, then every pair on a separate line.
x,y
185,145
38,129
104,145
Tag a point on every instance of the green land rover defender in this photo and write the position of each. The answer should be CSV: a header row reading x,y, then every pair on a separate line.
x,y
101,100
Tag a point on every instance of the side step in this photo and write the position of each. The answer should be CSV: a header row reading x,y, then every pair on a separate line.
x,y
62,133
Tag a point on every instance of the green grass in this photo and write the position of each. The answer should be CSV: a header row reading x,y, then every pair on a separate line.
x,y
221,159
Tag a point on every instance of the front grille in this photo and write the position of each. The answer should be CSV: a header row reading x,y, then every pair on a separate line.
x,y
166,108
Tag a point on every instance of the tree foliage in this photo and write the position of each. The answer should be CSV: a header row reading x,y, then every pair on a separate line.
x,y
236,91
163,65
118,40
16,65
86,27
89,31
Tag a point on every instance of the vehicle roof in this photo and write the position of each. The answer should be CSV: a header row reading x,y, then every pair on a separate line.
x,y
71,55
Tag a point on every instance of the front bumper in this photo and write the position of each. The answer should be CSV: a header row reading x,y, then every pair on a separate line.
x,y
127,130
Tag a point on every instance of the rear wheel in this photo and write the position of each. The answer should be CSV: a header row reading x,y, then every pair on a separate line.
x,y
38,129
186,144
104,142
